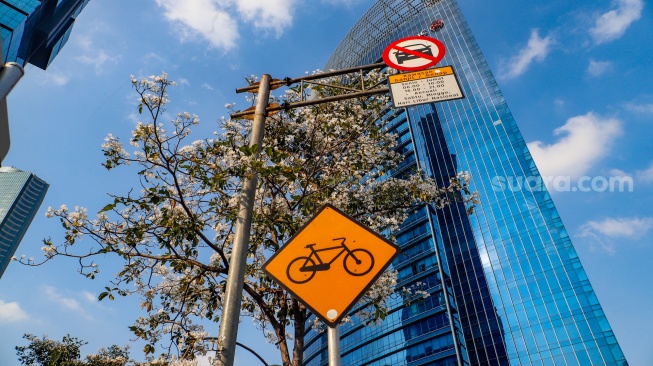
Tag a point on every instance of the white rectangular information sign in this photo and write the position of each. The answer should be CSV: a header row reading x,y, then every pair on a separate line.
x,y
425,86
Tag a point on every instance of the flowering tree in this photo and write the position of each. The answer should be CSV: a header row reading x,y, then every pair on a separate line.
x,y
174,235
45,352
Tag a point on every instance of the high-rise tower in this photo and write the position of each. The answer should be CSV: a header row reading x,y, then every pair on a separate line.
x,y
34,31
21,195
506,285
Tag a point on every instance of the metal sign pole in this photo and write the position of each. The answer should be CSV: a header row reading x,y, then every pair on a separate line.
x,y
236,275
334,346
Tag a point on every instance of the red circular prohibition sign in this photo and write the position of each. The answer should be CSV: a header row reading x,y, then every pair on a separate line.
x,y
414,53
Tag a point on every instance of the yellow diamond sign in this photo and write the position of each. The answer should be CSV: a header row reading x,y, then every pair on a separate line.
x,y
330,263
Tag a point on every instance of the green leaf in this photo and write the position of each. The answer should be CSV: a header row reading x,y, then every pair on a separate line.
x,y
247,150
148,349
108,207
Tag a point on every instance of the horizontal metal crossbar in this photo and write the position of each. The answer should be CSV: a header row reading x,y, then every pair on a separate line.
x,y
287,106
288,81
309,79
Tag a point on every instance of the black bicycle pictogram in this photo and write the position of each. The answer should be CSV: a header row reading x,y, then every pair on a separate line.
x,y
357,262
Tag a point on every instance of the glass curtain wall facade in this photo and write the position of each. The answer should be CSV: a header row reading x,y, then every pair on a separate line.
x,y
34,31
506,285
13,13
21,195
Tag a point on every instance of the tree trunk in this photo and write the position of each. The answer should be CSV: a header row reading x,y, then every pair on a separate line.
x,y
299,324
283,346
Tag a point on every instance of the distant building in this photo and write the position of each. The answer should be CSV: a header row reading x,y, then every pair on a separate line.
x,y
506,285
34,31
21,195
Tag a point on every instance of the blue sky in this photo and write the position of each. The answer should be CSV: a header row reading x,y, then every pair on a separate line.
x,y
576,75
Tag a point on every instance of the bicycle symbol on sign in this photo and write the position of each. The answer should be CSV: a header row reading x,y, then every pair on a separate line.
x,y
357,262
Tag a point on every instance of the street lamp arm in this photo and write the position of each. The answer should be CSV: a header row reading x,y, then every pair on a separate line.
x,y
213,341
252,351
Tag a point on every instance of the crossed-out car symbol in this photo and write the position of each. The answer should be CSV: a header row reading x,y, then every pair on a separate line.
x,y
417,47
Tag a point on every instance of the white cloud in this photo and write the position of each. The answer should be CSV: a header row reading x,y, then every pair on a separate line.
x,y
90,297
134,117
613,24
155,57
646,175
342,2
219,21
633,227
598,68
273,14
93,55
604,233
11,312
207,86
204,18
183,81
639,108
53,77
583,141
58,79
66,302
84,41
618,173
536,50
98,59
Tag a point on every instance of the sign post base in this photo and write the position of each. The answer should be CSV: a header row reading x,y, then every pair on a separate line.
x,y
334,346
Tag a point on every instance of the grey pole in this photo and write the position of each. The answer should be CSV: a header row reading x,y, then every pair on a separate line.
x,y
10,73
5,140
334,346
236,275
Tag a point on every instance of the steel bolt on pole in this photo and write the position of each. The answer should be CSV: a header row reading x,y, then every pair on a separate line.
x,y
334,346
236,275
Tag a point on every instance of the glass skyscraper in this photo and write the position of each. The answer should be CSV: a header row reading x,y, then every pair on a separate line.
x,y
21,195
34,31
506,286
